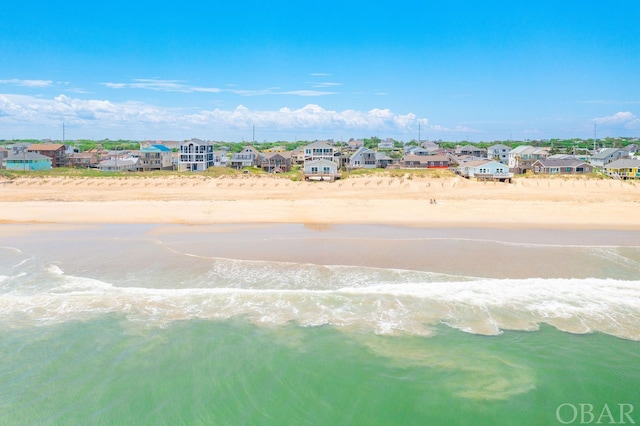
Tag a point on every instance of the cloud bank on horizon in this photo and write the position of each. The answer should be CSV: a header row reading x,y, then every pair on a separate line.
x,y
485,71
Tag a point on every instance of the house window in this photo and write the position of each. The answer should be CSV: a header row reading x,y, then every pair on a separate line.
x,y
314,170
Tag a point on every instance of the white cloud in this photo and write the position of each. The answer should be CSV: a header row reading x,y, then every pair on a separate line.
x,y
27,83
161,86
326,84
95,118
625,119
457,129
277,91
180,86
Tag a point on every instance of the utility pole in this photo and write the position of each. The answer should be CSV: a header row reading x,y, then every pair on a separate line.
x,y
594,137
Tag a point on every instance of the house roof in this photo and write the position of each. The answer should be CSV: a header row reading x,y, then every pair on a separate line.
x,y
415,158
478,163
45,147
26,155
155,148
560,162
498,146
319,144
605,153
623,163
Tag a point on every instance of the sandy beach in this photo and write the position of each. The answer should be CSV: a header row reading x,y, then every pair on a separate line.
x,y
569,203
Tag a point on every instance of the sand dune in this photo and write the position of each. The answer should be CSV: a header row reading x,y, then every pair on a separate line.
x,y
548,203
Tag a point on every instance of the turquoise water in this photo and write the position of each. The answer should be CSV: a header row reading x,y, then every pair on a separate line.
x,y
139,325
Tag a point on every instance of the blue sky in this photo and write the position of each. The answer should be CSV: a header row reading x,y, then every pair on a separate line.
x,y
454,70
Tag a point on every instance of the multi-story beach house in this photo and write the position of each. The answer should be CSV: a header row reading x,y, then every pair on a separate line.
x,y
55,151
522,157
321,161
155,157
606,156
276,162
364,158
248,157
471,151
319,151
499,153
195,155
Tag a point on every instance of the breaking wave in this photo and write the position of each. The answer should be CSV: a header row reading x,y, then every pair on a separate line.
x,y
383,301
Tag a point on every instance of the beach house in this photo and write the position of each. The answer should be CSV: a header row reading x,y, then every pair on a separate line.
x,y
424,162
155,157
195,155
248,157
569,166
363,158
485,170
55,151
499,152
624,168
26,161
521,158
276,162
321,162
606,156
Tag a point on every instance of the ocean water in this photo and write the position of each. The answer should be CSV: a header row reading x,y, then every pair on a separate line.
x,y
294,324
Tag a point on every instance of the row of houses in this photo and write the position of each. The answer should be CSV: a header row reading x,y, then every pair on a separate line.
x,y
323,160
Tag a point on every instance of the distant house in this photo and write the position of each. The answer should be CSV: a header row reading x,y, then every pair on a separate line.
x,y
220,159
383,160
416,150
195,155
631,150
606,156
553,166
248,157
155,157
321,169
522,157
55,151
387,144
115,164
499,152
424,162
27,161
363,158
354,144
471,150
485,170
624,168
276,162
83,159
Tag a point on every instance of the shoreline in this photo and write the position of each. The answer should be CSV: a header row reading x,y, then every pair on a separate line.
x,y
527,203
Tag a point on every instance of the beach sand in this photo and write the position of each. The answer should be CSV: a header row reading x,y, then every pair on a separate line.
x,y
566,203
